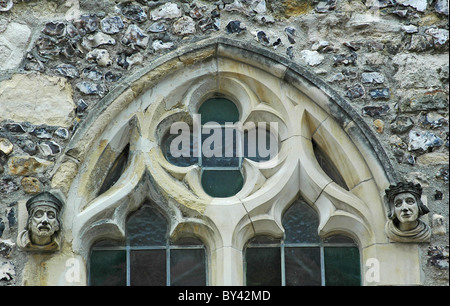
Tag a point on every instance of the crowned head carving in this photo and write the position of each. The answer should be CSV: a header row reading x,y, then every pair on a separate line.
x,y
405,208
42,230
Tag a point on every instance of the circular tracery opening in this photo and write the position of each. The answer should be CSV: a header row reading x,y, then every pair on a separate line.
x,y
218,143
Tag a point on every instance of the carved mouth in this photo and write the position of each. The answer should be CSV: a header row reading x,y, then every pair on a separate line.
x,y
44,228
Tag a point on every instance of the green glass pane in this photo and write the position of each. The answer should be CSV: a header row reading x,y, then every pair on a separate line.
x,y
108,268
301,223
148,268
328,167
219,110
260,151
222,183
187,159
187,267
342,266
221,148
263,266
147,227
302,266
116,170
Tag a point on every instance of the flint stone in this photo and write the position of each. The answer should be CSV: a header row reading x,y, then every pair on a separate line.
x,y
157,27
92,73
134,36
290,33
325,6
235,26
132,11
440,36
100,57
6,5
375,111
67,70
372,77
49,148
86,24
420,5
410,29
7,185
346,60
42,133
41,99
355,91
112,25
432,120
27,146
380,93
312,58
159,45
167,11
184,26
441,7
90,88
57,29
96,40
7,271
423,141
262,37
112,77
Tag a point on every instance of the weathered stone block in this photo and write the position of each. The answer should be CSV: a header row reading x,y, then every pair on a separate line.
x,y
38,99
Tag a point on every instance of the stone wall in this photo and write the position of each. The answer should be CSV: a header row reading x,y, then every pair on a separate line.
x,y
389,58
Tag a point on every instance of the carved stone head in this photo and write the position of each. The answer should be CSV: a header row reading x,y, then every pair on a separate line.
x,y
43,224
405,209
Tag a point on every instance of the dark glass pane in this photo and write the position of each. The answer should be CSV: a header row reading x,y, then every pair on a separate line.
x,y
328,167
147,227
116,170
222,184
148,268
263,266
221,148
339,239
219,110
252,145
342,266
301,223
261,240
188,241
108,268
187,267
302,266
187,157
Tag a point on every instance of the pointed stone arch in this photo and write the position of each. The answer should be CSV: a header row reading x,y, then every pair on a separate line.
x,y
265,85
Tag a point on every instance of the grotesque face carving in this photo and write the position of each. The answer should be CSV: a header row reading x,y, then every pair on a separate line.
x,y
406,210
43,224
43,229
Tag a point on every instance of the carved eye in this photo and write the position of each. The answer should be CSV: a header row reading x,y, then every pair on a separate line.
x,y
38,213
51,215
398,203
410,201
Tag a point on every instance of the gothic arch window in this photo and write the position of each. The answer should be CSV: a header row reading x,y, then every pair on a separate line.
x,y
302,258
326,155
147,257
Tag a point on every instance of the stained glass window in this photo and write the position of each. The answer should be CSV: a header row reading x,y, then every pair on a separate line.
x,y
147,258
302,258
